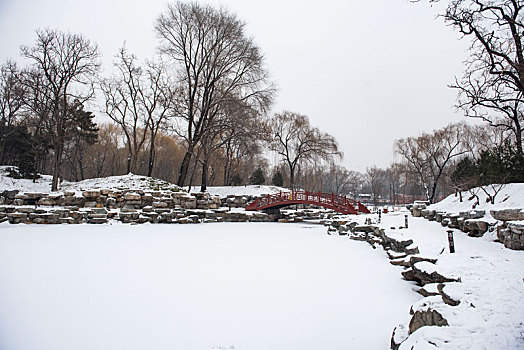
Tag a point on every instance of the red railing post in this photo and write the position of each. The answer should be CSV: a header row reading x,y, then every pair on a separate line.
x,y
332,198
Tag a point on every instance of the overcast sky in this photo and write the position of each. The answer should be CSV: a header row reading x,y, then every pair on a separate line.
x,y
367,72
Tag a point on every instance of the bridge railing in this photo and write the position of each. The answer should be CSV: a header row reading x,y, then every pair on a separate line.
x,y
328,199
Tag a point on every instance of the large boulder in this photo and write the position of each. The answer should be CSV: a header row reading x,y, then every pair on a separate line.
x,y
512,235
417,208
508,214
427,317
475,227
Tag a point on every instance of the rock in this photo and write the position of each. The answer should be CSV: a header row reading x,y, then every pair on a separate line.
x,y
423,277
363,228
453,221
9,194
132,196
400,334
97,220
91,194
512,235
508,214
428,292
475,227
447,299
427,317
159,205
415,259
472,214
417,208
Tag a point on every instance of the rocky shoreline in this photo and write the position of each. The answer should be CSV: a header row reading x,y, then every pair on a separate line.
x,y
418,269
507,222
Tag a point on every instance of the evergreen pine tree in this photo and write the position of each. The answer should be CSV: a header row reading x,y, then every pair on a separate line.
x,y
257,177
278,179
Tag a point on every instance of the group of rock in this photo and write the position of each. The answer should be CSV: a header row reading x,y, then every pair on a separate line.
x,y
507,223
128,206
416,268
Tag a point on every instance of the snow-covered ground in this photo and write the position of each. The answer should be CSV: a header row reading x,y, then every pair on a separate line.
x,y
209,286
137,182
510,196
491,314
248,190
43,184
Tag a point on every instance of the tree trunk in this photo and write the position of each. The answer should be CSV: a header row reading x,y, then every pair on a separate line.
x,y
518,136
128,163
203,186
226,176
151,158
56,168
81,166
184,167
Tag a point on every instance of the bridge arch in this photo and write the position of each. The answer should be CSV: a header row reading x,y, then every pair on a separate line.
x,y
342,204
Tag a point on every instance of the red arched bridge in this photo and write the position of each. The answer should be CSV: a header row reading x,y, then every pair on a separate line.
x,y
341,204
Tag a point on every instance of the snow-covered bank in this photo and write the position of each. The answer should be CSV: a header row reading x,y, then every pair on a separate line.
x,y
490,291
510,196
209,286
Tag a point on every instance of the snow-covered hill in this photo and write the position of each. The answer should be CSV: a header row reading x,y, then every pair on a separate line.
x,y
43,184
510,196
138,182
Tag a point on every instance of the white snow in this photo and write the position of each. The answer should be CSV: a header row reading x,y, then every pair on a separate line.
x,y
490,315
249,190
43,184
510,196
208,286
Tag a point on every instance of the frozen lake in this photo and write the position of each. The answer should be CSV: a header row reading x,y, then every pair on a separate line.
x,y
207,286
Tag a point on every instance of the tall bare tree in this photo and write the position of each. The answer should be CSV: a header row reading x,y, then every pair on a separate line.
x,y
376,178
122,94
394,176
492,86
159,99
215,59
295,140
67,63
429,155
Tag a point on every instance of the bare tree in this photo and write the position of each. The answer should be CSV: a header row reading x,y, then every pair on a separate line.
x,y
67,63
122,94
159,99
376,178
340,180
237,132
293,138
429,155
492,87
394,176
215,59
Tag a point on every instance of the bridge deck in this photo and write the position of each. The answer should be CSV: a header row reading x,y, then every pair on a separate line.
x,y
341,204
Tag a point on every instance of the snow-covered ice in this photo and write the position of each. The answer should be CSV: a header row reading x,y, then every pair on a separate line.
x,y
208,286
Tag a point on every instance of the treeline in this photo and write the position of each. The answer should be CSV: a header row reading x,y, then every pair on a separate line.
x,y
196,113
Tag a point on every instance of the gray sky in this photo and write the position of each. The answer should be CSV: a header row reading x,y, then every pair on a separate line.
x,y
367,72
